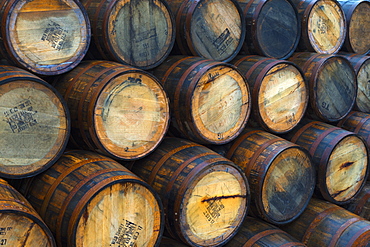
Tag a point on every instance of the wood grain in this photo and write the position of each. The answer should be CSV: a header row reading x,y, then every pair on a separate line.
x,y
359,123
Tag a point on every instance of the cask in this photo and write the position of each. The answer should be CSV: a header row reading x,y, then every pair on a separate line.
x,y
358,29
209,100
341,159
212,29
326,224
273,27
278,92
45,37
20,224
357,122
136,32
323,26
205,196
332,85
361,203
117,110
34,124
88,199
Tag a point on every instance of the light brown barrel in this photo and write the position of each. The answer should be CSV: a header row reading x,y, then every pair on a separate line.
x,y
212,29
46,37
88,199
205,196
279,93
323,25
361,203
358,26
209,100
341,158
34,124
326,224
332,84
361,65
280,174
20,224
258,233
357,122
118,110
273,27
140,33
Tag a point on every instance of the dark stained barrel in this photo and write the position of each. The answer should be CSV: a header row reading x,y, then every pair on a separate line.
x,y
205,196
358,27
326,224
278,92
323,25
88,199
35,123
44,37
357,122
361,203
116,109
212,29
273,27
140,33
341,158
332,84
209,100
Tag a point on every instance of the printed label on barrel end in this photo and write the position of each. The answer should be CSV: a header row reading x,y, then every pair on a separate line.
x,y
21,117
127,234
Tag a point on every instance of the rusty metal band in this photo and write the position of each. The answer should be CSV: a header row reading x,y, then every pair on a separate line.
x,y
238,62
238,141
298,134
321,137
260,235
355,237
340,230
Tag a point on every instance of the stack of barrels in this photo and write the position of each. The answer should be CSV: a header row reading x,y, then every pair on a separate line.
x,y
184,123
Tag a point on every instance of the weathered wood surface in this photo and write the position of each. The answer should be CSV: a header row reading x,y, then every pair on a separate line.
x,y
332,84
34,124
205,196
361,203
279,94
88,199
326,224
273,27
136,32
209,100
46,37
357,122
341,158
116,109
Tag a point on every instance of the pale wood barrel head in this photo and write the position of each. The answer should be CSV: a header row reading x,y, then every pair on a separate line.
x,y
282,98
288,185
326,26
363,92
359,28
19,230
34,128
120,214
48,37
141,33
220,104
214,206
347,168
131,115
216,29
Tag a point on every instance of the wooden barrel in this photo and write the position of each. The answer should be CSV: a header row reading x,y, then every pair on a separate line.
x,y
323,25
21,225
255,232
326,224
357,122
273,27
341,158
117,110
205,196
332,84
34,125
46,37
209,100
358,26
280,174
278,90
88,199
212,29
361,203
361,65
136,32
